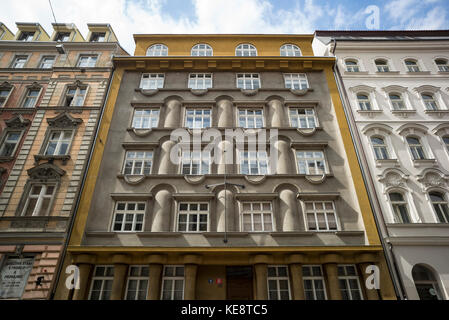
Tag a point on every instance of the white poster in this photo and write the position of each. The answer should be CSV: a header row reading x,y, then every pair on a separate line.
x,y
14,277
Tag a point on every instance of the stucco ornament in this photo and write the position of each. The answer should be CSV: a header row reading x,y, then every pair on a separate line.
x,y
432,179
393,179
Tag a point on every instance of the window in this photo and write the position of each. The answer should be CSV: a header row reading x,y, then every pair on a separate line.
x,y
138,162
200,81
145,118
98,37
290,50
352,66
101,287
349,283
201,50
26,36
31,98
87,61
75,96
245,50
429,102
195,162
382,65
254,163
39,200
129,216
399,206
364,102
396,101
416,148
19,62
446,142
314,288
47,62
157,50
59,142
426,283
442,65
137,284
62,36
303,118
440,206
251,118
321,215
257,216
248,81
278,283
296,81
10,143
173,283
152,81
380,148
311,162
192,217
4,95
198,118
412,66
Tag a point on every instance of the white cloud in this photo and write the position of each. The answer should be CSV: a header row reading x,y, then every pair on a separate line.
x,y
416,14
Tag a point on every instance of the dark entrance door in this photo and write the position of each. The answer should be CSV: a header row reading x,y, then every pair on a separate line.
x,y
239,283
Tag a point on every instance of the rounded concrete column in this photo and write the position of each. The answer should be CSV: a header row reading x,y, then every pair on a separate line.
x,y
276,113
225,157
190,271
332,280
162,211
85,270
166,166
172,114
225,113
261,281
284,165
220,210
297,282
155,275
118,284
288,210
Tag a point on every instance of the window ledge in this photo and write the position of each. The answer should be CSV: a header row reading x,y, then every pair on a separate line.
x,y
439,113
356,73
301,92
199,92
51,158
370,113
417,72
248,92
421,162
387,72
443,72
291,234
6,159
418,225
389,162
403,113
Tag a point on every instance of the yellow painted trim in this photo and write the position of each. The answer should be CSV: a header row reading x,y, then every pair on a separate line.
x,y
97,156
356,173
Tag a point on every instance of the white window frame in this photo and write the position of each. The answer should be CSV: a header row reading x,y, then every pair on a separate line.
x,y
189,213
5,140
380,147
413,148
28,97
260,213
397,218
204,160
412,68
147,156
353,68
440,204
127,212
296,79
290,50
78,98
103,280
199,81
59,142
246,50
5,98
203,115
44,64
250,113
157,50
323,212
19,65
259,158
396,102
140,279
363,103
254,79
152,81
28,33
432,102
98,37
199,51
173,278
278,279
154,113
40,197
442,67
91,61
384,67
346,278
313,159
64,34
298,117
313,278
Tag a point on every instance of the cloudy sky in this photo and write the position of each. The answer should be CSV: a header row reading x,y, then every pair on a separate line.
x,y
226,16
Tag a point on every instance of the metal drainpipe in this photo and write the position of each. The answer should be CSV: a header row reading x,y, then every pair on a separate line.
x,y
388,249
72,218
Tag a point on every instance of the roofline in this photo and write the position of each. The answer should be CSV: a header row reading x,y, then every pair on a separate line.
x,y
376,33
222,35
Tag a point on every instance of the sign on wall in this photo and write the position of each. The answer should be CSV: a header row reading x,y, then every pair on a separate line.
x,y
14,276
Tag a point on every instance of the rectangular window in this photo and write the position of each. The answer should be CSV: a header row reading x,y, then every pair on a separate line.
x,y
101,287
192,217
314,288
254,163
296,81
87,61
152,81
303,118
200,81
59,142
311,162
195,162
198,118
26,36
248,81
173,283
19,62
251,118
31,98
145,118
129,216
62,36
4,95
9,144
321,215
349,283
137,284
138,162
257,216
75,96
47,62
278,283
98,37
39,200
